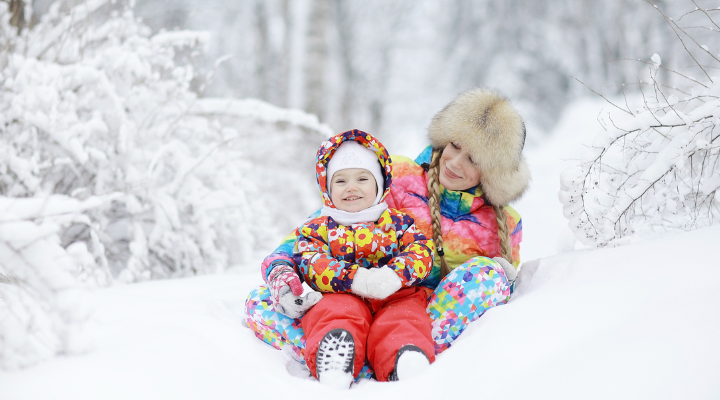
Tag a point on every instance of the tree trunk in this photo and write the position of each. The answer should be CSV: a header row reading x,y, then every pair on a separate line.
x,y
346,37
317,53
262,50
17,13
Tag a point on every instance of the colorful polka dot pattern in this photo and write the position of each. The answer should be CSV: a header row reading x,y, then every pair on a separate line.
x,y
329,254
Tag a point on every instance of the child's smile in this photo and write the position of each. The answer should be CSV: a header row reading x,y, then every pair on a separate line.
x,y
353,189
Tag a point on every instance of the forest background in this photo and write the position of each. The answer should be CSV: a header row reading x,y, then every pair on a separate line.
x,y
387,67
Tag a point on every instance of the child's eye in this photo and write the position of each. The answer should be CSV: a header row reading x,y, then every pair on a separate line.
x,y
362,179
340,181
456,147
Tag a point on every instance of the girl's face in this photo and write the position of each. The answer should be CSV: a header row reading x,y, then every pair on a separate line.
x,y
353,189
457,169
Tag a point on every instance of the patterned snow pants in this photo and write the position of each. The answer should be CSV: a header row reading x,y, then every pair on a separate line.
x,y
461,297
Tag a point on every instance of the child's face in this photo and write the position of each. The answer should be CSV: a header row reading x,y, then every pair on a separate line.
x,y
353,189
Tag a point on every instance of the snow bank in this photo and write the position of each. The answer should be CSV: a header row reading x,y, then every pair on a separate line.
x,y
638,321
654,169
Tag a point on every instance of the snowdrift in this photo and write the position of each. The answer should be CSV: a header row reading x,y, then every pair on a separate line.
x,y
638,321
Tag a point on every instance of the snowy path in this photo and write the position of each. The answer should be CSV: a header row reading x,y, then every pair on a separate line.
x,y
640,321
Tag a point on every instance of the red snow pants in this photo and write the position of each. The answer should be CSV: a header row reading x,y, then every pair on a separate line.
x,y
378,327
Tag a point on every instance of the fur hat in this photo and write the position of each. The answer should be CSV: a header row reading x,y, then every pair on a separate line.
x,y
484,123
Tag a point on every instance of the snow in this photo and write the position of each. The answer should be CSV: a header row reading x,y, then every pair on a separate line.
x,y
644,174
634,321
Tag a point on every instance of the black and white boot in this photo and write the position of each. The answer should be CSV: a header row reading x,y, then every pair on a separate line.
x,y
410,361
335,359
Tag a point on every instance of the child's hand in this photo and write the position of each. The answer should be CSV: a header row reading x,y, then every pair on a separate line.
x,y
286,290
281,277
296,306
375,283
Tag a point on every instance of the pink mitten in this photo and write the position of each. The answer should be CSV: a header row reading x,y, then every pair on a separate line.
x,y
283,279
286,290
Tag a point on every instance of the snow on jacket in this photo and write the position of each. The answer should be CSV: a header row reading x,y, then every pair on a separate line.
x,y
328,254
468,222
469,225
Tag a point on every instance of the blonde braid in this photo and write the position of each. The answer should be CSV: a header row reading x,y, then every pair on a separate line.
x,y
434,205
505,245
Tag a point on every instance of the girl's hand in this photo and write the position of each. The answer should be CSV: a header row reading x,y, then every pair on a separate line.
x,y
510,271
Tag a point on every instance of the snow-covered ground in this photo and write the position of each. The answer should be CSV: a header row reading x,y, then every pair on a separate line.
x,y
632,322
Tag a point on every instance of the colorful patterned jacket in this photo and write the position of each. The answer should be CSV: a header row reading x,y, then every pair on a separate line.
x,y
468,223
328,254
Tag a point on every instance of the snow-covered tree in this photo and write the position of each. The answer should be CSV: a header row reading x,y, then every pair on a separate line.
x,y
43,306
388,66
111,168
655,167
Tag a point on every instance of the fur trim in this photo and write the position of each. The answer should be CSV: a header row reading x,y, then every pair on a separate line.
x,y
488,126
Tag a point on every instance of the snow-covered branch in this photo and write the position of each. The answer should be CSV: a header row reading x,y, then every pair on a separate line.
x,y
654,168
112,169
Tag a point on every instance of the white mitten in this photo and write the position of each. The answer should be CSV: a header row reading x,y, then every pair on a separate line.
x,y
376,283
296,306
510,271
359,283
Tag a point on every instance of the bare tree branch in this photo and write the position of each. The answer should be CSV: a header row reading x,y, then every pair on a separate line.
x,y
675,29
606,99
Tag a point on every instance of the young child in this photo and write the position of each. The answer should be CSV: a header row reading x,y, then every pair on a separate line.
x,y
366,258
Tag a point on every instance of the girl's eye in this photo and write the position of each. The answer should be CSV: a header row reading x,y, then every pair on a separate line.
x,y
455,146
340,181
362,179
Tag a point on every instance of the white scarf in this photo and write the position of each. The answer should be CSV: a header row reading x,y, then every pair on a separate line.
x,y
370,214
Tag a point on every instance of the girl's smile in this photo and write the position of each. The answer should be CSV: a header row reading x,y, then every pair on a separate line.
x,y
457,170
